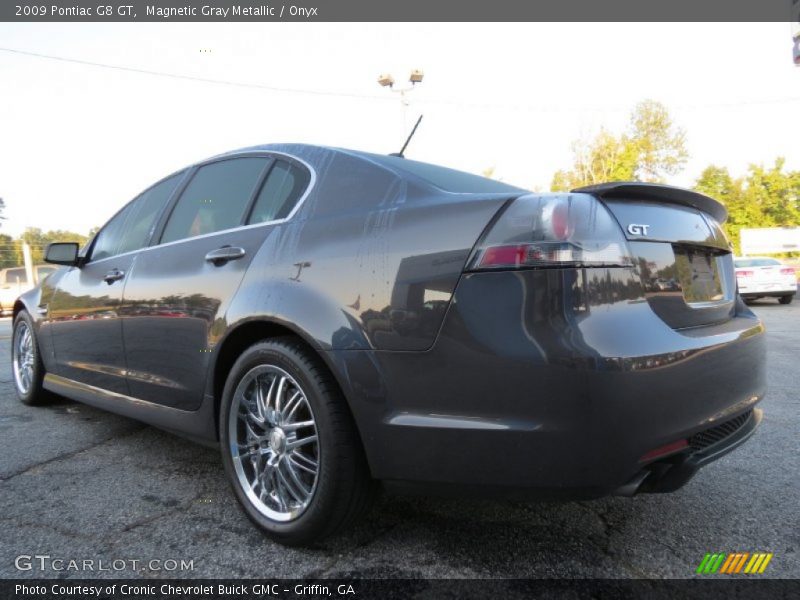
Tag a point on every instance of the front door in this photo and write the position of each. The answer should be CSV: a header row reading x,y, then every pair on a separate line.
x,y
83,313
85,325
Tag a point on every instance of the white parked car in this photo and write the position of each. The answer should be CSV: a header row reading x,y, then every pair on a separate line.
x,y
760,276
14,282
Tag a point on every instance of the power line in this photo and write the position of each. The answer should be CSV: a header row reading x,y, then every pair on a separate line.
x,y
240,84
455,103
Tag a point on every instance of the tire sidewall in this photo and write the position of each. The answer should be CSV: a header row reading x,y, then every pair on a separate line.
x,y
316,515
38,371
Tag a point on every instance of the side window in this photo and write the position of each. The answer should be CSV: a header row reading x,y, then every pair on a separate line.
x,y
148,208
215,199
284,186
108,238
130,228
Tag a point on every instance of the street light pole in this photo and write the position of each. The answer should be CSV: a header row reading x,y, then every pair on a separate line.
x,y
386,80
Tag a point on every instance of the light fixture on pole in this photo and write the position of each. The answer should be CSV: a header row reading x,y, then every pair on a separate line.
x,y
386,80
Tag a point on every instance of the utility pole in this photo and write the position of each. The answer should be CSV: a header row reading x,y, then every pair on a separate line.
x,y
26,257
386,80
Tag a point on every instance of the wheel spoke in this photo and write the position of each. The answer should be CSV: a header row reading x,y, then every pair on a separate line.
x,y
299,465
251,433
297,425
289,486
297,443
297,482
301,459
262,403
280,492
279,394
292,405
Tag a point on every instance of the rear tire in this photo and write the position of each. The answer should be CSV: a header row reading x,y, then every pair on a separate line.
x,y
786,299
298,490
26,362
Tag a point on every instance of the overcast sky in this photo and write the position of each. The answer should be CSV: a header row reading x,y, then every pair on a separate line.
x,y
77,141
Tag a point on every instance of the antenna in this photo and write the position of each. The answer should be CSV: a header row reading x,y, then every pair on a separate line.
x,y
413,131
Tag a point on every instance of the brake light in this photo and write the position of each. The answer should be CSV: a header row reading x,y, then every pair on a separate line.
x,y
553,231
787,271
744,273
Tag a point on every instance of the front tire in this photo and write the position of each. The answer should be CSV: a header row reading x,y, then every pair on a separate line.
x,y
786,299
289,444
26,362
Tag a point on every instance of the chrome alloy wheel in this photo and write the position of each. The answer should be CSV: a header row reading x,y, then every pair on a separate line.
x,y
23,357
273,443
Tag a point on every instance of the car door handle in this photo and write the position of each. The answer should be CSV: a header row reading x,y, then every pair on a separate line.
x,y
222,255
113,275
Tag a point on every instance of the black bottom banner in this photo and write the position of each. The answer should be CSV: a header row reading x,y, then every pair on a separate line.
x,y
251,589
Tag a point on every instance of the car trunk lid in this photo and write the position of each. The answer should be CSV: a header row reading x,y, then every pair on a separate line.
x,y
683,257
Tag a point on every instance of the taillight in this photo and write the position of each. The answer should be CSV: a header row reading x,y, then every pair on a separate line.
x,y
566,230
787,271
744,273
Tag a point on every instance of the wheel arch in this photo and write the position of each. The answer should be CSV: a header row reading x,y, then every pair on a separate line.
x,y
19,305
251,331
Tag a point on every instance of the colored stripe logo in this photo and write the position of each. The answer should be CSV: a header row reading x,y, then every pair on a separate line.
x,y
734,563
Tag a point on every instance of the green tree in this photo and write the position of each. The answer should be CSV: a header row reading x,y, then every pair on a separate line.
x,y
38,240
10,251
651,149
765,197
659,147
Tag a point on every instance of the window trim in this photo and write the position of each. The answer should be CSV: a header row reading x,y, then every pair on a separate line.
x,y
271,155
260,187
87,258
155,238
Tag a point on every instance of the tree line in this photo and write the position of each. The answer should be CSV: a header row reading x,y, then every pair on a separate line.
x,y
11,248
653,148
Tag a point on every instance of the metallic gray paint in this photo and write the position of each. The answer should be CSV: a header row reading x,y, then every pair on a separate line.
x,y
556,380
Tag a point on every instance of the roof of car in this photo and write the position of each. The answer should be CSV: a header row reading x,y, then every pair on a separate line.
x,y
444,178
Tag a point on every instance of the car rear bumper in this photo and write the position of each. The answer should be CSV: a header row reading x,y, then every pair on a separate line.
x,y
766,289
554,383
671,472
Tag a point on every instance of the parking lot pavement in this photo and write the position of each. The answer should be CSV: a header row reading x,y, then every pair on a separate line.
x,y
78,483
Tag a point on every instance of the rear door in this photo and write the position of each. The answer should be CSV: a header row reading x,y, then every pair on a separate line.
x,y
83,313
178,294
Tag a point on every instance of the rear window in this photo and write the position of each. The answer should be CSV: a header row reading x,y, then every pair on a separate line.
x,y
756,262
16,276
446,179
280,192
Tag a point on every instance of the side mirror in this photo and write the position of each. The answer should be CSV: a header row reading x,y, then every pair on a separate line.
x,y
62,253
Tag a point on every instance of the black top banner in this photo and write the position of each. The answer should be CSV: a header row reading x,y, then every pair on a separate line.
x,y
405,10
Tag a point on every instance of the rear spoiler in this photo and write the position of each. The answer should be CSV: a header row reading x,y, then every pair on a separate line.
x,y
636,190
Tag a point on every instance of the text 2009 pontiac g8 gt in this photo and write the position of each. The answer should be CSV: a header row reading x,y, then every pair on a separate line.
x,y
334,319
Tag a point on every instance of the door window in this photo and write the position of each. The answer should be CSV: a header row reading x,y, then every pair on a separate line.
x,y
131,228
284,186
215,199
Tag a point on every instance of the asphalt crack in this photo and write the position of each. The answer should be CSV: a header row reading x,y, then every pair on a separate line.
x,y
68,455
182,507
